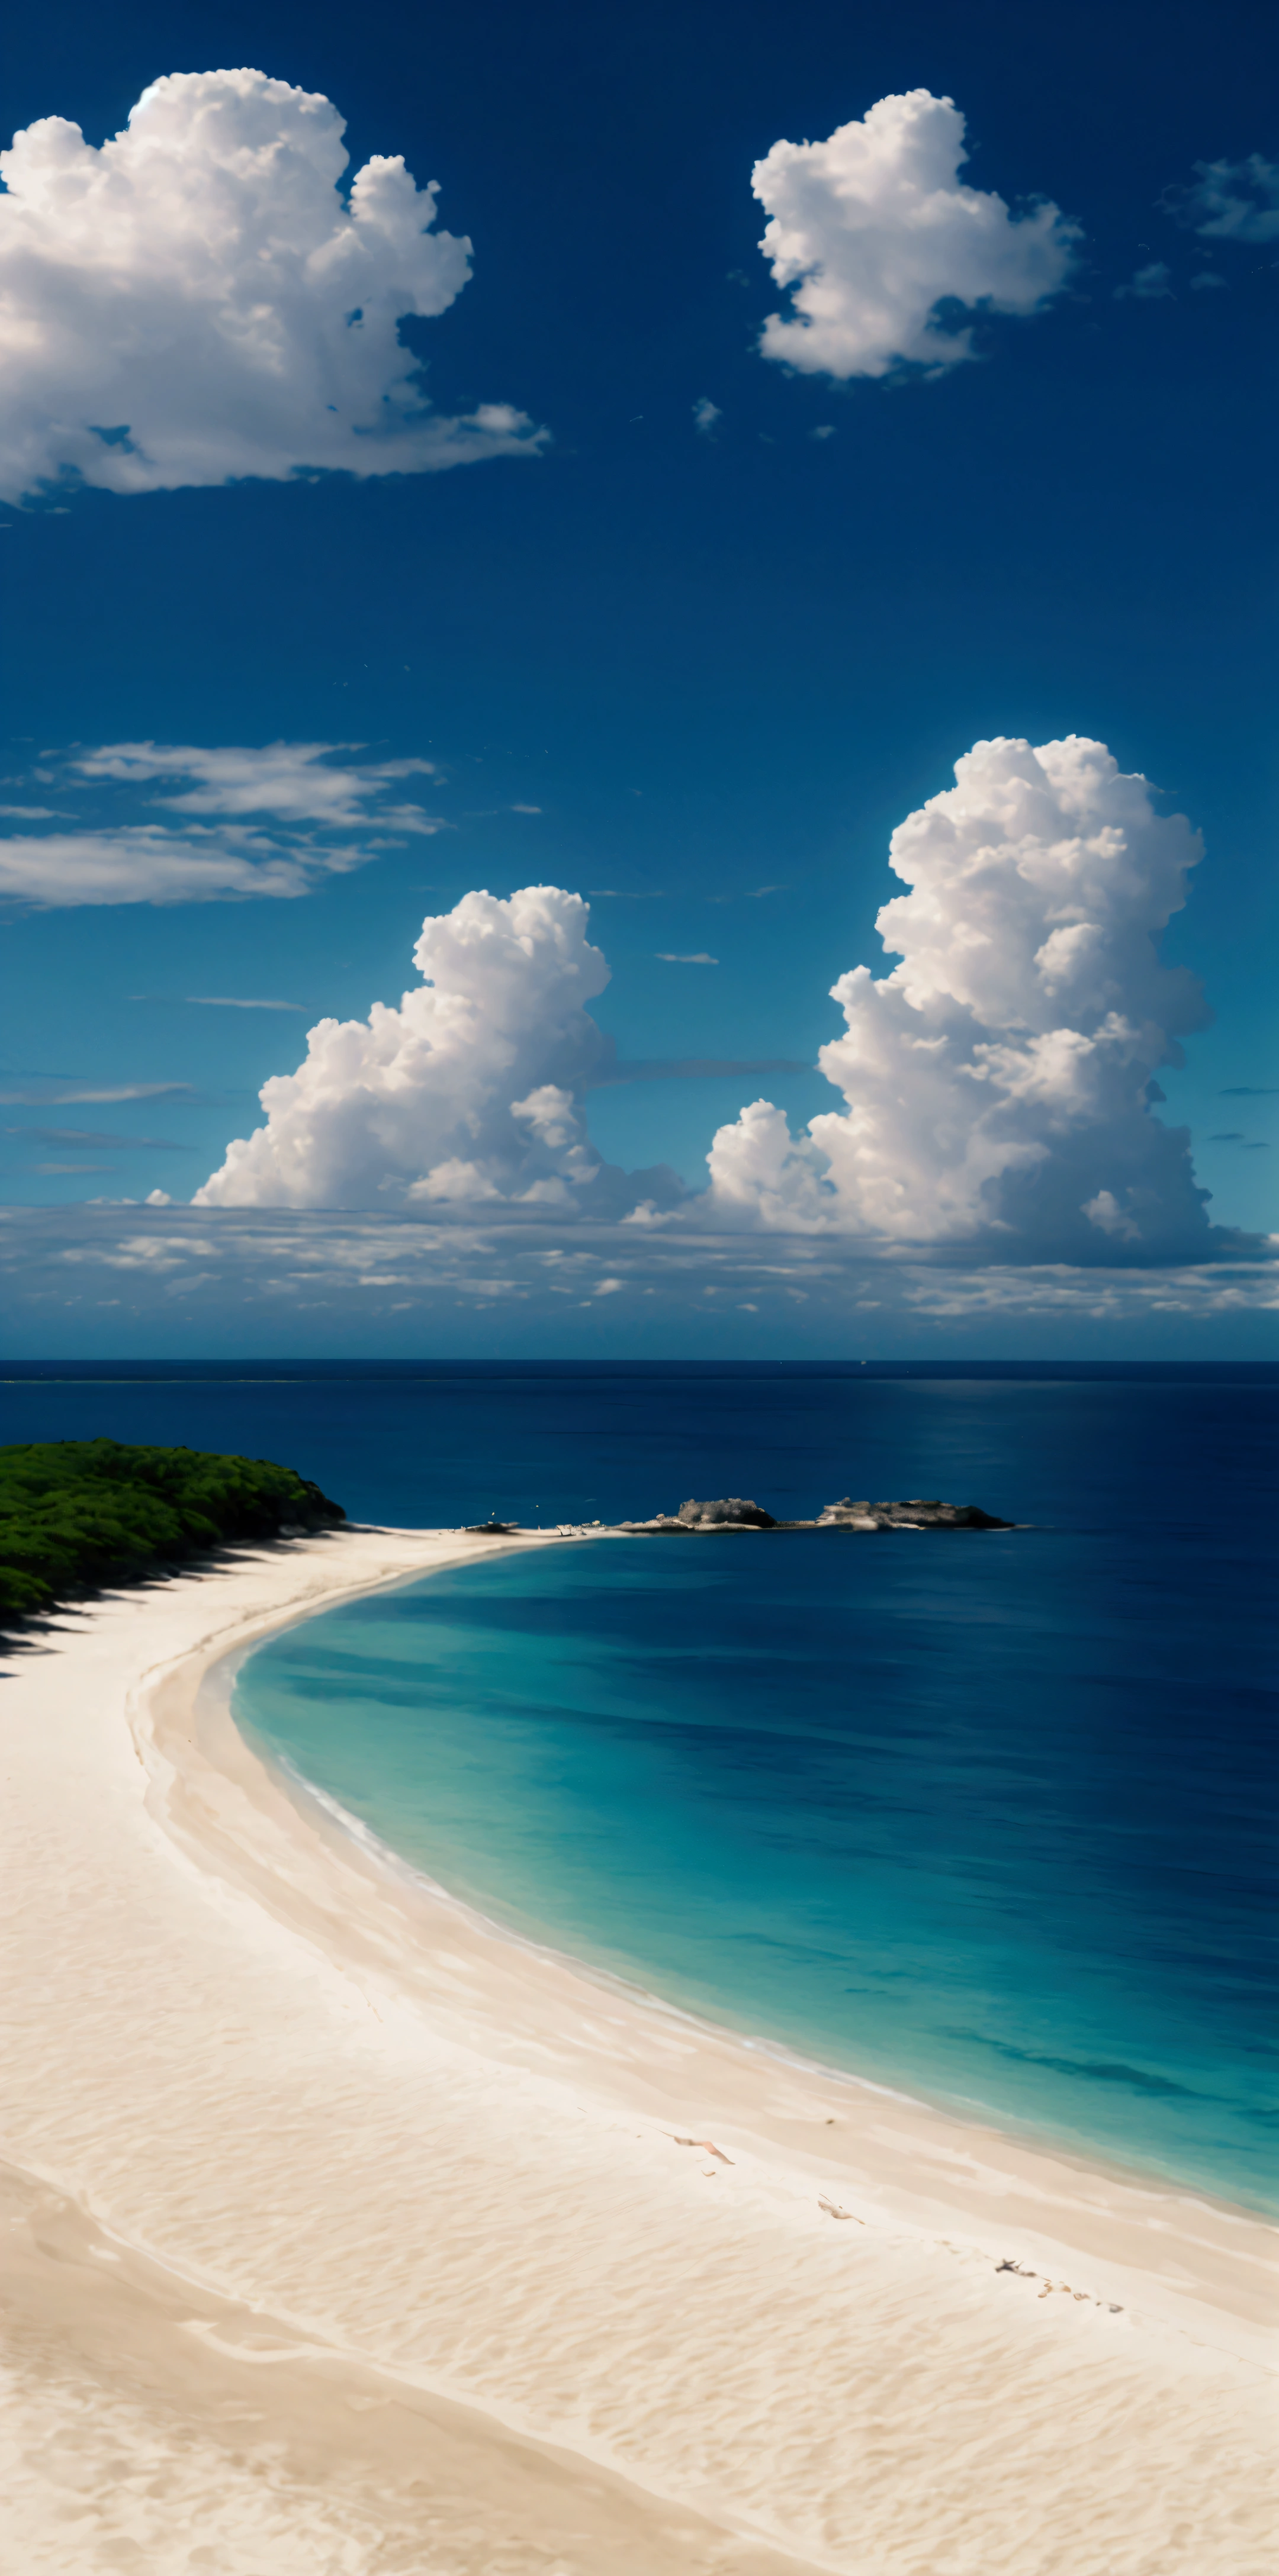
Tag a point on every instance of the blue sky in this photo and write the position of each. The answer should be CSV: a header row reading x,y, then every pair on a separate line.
x,y
695,670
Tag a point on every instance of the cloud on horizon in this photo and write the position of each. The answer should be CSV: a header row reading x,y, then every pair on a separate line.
x,y
998,1085
154,1277
196,301
998,1081
469,1091
873,229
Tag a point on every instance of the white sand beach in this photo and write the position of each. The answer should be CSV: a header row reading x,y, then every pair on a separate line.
x,y
345,2234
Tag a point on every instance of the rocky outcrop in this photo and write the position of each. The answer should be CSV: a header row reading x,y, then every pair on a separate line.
x,y
916,1514
734,1513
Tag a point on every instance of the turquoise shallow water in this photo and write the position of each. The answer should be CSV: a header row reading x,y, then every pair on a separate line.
x,y
993,1819
990,1818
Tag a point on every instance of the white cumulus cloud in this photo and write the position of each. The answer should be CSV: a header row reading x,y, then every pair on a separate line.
x,y
469,1091
996,1081
196,301
873,229
998,1085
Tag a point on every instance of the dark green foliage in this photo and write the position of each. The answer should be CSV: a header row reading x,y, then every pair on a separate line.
x,y
78,1513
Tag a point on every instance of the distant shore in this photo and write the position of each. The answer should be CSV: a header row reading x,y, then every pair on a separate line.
x,y
366,2229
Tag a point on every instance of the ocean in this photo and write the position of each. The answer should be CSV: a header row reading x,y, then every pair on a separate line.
x,y
986,1817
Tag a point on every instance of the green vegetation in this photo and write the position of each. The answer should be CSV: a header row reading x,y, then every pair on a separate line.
x,y
75,1514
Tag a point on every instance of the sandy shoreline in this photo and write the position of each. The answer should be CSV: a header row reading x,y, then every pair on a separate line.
x,y
348,2234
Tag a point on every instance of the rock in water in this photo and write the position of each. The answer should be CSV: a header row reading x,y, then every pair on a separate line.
x,y
916,1514
735,1513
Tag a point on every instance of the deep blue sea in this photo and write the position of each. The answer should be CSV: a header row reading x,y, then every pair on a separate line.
x,y
989,1817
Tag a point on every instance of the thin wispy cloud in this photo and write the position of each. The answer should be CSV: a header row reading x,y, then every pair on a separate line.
x,y
147,863
1230,201
91,1140
238,1002
1150,284
298,782
52,1093
257,823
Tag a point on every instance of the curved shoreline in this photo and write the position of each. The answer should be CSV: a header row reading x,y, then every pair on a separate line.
x,y
327,1817
717,2021
326,2107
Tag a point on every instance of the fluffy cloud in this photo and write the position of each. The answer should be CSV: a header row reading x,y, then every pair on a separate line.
x,y
1231,200
997,1080
294,786
998,1091
873,229
196,301
468,1092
